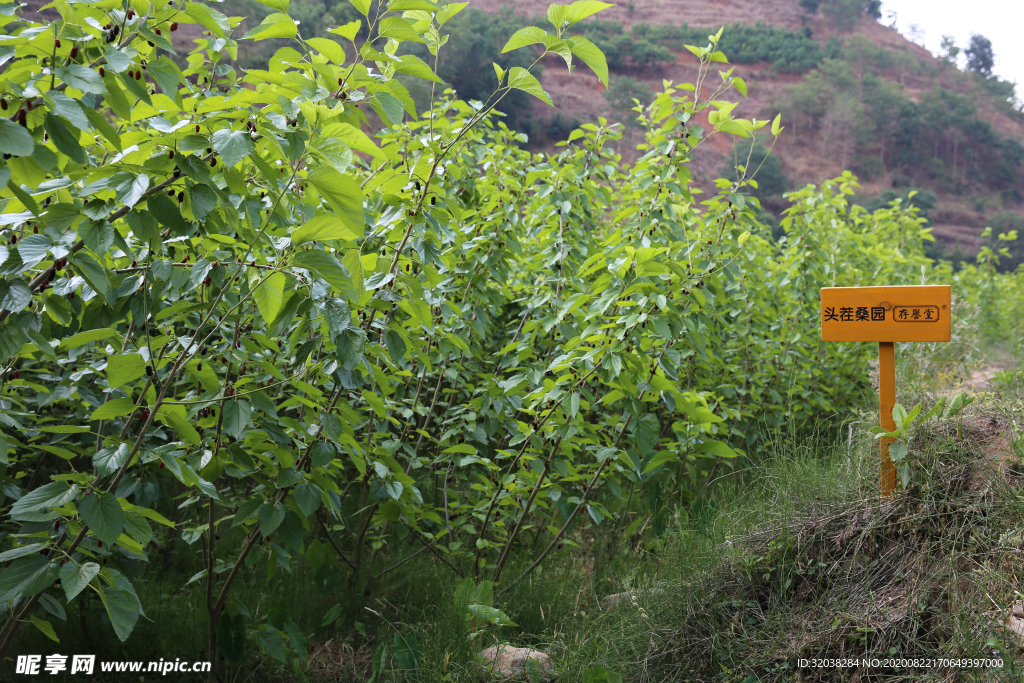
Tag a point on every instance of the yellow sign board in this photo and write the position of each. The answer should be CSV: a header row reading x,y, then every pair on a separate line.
x,y
886,314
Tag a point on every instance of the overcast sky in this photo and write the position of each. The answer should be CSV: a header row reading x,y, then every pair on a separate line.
x,y
1001,21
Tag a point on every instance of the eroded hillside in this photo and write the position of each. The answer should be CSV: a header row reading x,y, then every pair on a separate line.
x,y
825,120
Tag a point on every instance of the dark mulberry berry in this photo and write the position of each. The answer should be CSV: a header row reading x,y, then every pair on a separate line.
x,y
213,161
74,52
174,27
157,31
56,43
181,196
170,155
197,127
199,367
103,72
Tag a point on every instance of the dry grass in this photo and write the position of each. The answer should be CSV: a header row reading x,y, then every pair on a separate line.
x,y
933,572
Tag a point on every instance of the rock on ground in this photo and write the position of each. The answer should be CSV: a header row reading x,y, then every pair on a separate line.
x,y
506,661
1015,623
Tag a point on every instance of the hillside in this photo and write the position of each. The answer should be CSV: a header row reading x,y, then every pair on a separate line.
x,y
854,94
820,144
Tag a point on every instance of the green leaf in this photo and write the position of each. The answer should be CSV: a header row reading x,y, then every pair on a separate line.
x,y
232,145
328,48
776,128
113,408
307,497
116,98
27,576
15,296
273,26
296,640
209,18
531,35
388,107
65,141
272,641
331,616
74,578
83,338
362,6
899,414
123,609
166,74
97,235
450,10
414,66
176,417
580,10
348,31
236,417
103,514
717,448
521,79
400,29
206,377
167,212
323,228
50,495
110,459
231,635
81,77
46,628
335,152
327,267
15,553
354,138
268,293
117,60
69,109
491,615
94,274
345,196
279,5
271,517
15,139
124,368
247,510
591,55
412,5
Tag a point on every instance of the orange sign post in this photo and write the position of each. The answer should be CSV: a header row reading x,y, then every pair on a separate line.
x,y
886,315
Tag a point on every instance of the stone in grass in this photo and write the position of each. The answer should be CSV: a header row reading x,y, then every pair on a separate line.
x,y
505,662
1015,623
